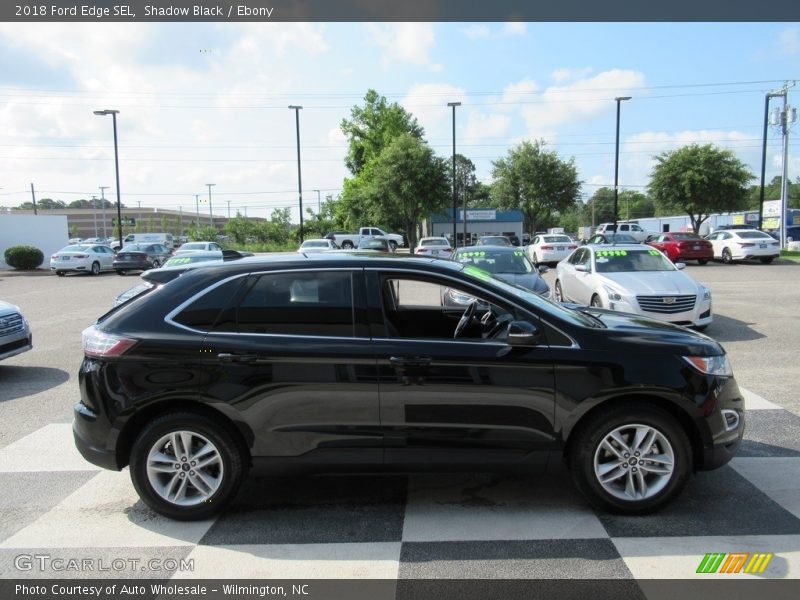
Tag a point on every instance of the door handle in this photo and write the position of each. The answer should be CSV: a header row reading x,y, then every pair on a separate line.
x,y
410,361
230,357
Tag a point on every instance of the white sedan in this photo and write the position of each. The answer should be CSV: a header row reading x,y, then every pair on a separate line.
x,y
551,249
83,258
198,246
434,246
320,245
635,279
741,244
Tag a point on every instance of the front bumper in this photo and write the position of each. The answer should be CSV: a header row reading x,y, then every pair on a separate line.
x,y
720,454
9,349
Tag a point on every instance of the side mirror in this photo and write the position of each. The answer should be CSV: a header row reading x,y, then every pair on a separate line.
x,y
680,265
543,268
581,268
523,333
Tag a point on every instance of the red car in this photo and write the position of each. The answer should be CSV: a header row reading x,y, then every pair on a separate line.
x,y
683,245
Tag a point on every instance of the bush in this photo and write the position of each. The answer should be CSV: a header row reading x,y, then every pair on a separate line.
x,y
24,257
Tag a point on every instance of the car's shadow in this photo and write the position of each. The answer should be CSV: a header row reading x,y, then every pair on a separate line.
x,y
18,381
727,329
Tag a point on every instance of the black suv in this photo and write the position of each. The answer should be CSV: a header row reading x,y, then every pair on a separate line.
x,y
351,362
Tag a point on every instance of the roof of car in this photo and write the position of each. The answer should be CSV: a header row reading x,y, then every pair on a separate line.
x,y
489,248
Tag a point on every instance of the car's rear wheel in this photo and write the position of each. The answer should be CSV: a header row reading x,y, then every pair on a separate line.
x,y
121,271
347,245
60,273
631,459
765,260
702,261
596,302
727,257
185,466
156,264
95,268
559,293
392,245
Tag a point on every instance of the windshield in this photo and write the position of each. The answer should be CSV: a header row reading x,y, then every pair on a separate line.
x,y
434,242
556,239
752,235
625,261
194,246
75,248
544,305
133,248
497,262
686,236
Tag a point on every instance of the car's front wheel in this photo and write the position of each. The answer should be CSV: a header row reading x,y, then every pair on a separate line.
x,y
631,459
596,302
765,260
95,268
559,293
185,466
702,261
727,257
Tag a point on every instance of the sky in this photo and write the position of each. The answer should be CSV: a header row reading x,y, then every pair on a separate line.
x,y
207,103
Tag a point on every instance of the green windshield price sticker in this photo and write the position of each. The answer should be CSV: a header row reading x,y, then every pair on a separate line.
x,y
654,252
517,253
477,273
611,253
472,254
178,261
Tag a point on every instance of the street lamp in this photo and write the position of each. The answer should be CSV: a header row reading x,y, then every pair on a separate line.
x,y
210,213
319,202
113,113
455,204
619,100
296,110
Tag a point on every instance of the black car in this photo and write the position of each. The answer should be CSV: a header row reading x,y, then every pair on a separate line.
x,y
140,257
350,362
504,262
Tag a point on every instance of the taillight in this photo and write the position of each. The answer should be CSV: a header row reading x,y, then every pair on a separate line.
x,y
421,250
573,247
746,244
547,247
54,256
81,256
99,344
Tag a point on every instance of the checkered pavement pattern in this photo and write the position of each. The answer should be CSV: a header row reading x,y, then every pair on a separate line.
x,y
406,527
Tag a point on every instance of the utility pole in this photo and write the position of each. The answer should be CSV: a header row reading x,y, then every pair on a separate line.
x,y
94,213
33,197
783,118
103,189
197,219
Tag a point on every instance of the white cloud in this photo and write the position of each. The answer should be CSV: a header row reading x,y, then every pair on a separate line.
x,y
409,43
482,126
789,42
478,32
428,103
515,28
564,74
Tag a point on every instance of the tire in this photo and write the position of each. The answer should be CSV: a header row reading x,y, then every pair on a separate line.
x,y
347,245
558,292
535,260
727,257
60,273
765,260
630,492
392,245
121,271
202,496
156,264
596,302
702,261
95,268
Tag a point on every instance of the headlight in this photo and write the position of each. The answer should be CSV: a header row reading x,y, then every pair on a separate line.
x,y
711,365
612,294
706,292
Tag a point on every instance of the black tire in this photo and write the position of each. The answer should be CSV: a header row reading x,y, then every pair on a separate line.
x,y
95,268
230,473
156,264
558,292
392,245
727,257
596,302
702,261
60,273
347,245
765,260
121,271
586,448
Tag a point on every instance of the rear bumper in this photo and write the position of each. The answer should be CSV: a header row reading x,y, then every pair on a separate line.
x,y
84,421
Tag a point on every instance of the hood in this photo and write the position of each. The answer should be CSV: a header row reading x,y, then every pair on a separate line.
x,y
7,307
652,334
531,281
653,282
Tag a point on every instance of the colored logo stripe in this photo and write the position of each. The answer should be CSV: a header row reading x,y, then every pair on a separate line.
x,y
711,562
756,563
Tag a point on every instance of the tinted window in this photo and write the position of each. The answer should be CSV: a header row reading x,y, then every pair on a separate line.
x,y
203,312
298,303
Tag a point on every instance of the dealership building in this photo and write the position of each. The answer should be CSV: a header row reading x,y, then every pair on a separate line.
x,y
479,221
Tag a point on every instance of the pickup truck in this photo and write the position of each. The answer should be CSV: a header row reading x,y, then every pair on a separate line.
x,y
352,240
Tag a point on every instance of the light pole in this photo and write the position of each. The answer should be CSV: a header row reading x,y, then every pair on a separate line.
x,y
113,114
103,189
618,100
296,110
455,203
197,210
210,213
319,202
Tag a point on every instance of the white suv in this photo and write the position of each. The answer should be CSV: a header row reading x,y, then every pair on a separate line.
x,y
632,229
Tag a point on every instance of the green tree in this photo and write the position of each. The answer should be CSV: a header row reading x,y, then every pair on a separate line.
x,y
772,191
240,229
535,181
372,127
43,204
404,183
699,180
